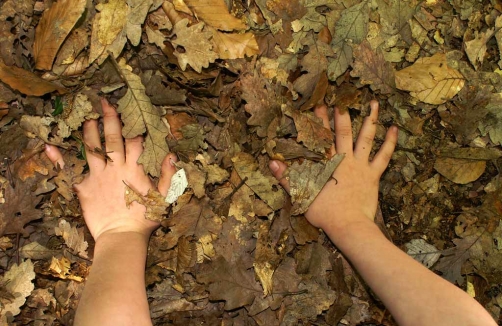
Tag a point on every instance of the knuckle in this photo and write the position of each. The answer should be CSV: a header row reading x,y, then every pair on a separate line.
x,y
344,131
113,138
368,139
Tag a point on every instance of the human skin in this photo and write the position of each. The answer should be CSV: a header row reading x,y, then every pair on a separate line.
x,y
345,210
115,292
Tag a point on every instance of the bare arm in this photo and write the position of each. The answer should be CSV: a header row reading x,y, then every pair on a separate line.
x,y
345,211
115,293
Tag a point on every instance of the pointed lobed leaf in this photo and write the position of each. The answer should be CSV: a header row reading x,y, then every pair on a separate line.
x,y
215,13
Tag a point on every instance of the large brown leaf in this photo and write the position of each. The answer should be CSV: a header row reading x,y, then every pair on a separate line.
x,y
56,23
215,13
26,82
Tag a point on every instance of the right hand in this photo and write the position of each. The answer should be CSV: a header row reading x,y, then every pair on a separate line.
x,y
353,194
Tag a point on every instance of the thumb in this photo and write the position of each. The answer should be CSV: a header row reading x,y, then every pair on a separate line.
x,y
278,168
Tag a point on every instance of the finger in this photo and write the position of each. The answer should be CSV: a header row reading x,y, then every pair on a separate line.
x,y
321,111
364,141
114,141
168,170
91,139
278,168
134,149
343,132
54,154
382,158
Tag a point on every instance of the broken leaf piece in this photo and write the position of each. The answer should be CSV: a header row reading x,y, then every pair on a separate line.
x,y
476,48
17,281
54,26
431,80
140,116
307,180
262,185
179,183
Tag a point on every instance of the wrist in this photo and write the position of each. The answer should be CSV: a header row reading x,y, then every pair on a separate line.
x,y
120,236
343,230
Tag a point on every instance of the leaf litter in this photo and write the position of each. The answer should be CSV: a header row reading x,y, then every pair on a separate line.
x,y
227,86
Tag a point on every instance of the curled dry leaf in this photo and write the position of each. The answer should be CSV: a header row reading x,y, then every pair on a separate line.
x,y
265,186
54,26
307,180
18,283
140,116
215,13
431,80
27,82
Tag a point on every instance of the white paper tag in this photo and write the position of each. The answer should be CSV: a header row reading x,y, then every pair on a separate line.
x,y
179,183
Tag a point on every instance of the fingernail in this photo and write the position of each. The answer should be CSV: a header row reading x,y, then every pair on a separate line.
x,y
173,160
394,129
274,166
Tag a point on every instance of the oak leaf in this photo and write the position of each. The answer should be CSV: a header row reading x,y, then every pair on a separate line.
x,y
54,26
154,201
196,43
140,116
18,283
492,124
431,80
265,186
307,180
196,178
73,237
27,82
193,138
453,259
311,131
215,14
234,45
372,69
314,64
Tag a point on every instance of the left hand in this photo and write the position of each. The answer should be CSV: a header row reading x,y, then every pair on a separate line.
x,y
102,192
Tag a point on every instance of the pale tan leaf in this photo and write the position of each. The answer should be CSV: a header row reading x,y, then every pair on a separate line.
x,y
476,48
233,45
111,20
461,171
311,131
265,186
18,282
54,26
26,82
135,19
197,47
140,116
215,13
74,114
156,206
430,80
73,237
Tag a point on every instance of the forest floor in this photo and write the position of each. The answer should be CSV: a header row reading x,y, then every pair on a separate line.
x,y
227,86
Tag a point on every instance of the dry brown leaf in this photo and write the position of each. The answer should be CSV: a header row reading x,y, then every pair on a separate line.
x,y
311,131
460,171
431,80
111,20
18,283
73,237
70,175
233,45
140,116
265,186
307,180
35,250
54,26
27,82
197,48
215,13
74,114
155,203
77,41
453,259
476,48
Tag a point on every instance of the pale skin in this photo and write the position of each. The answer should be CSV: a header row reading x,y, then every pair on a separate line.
x,y
115,289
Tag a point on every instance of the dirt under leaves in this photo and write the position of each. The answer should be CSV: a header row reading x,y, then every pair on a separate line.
x,y
228,85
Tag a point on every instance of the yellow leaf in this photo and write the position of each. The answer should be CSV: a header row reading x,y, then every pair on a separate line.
x,y
26,82
215,13
234,46
53,28
431,80
140,116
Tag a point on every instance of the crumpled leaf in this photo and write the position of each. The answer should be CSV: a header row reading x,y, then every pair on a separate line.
x,y
229,282
262,185
73,237
197,48
311,131
460,171
61,268
215,13
307,180
19,208
351,28
26,82
476,48
372,69
74,114
430,80
453,259
54,26
17,281
140,116
156,206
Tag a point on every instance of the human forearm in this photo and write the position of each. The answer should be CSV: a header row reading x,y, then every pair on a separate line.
x,y
115,290
413,294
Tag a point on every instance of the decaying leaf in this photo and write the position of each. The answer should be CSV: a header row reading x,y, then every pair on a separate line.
x,y
80,110
307,180
53,28
17,281
196,178
264,186
453,259
311,131
140,116
73,237
215,13
26,82
431,80
154,202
